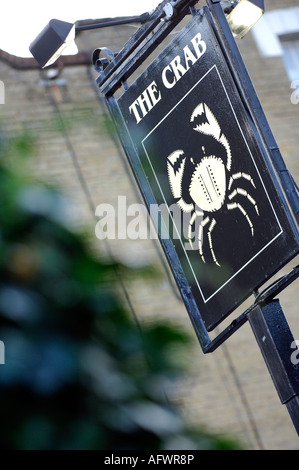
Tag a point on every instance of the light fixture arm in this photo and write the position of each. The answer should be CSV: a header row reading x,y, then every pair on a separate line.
x,y
50,43
137,19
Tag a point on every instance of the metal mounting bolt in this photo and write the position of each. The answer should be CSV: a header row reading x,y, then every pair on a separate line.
x,y
169,10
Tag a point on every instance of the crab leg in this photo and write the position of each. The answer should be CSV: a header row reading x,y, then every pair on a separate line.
x,y
211,228
244,193
200,236
239,175
196,214
236,205
192,220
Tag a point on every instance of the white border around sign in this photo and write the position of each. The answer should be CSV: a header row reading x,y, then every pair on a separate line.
x,y
206,300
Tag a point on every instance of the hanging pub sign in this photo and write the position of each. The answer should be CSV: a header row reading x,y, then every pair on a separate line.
x,y
208,173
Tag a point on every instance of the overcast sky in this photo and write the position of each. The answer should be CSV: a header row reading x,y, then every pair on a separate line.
x,y
22,20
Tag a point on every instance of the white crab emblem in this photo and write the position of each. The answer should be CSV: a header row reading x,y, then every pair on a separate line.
x,y
199,184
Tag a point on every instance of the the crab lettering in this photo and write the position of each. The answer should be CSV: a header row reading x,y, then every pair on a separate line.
x,y
145,102
179,66
199,184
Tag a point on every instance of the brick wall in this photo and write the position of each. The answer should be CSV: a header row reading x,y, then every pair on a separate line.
x,y
229,390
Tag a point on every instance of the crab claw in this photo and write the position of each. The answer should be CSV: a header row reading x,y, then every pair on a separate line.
x,y
205,121
175,167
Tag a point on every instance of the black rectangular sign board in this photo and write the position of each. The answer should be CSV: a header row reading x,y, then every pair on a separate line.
x,y
208,171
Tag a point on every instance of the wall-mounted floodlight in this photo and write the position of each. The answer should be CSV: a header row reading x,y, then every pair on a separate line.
x,y
244,15
52,41
57,35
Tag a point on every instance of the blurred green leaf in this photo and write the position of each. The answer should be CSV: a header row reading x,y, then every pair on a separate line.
x,y
78,373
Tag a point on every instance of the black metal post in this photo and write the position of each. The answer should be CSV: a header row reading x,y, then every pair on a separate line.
x,y
275,340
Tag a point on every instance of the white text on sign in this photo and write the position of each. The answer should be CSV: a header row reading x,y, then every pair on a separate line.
x,y
171,74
